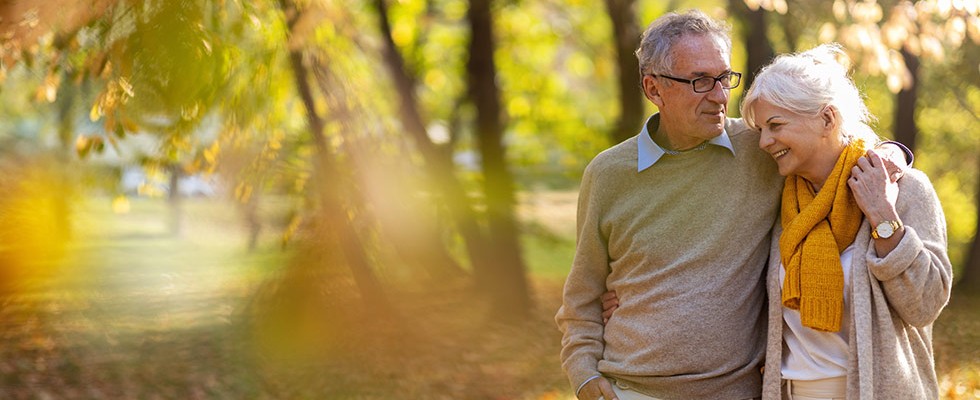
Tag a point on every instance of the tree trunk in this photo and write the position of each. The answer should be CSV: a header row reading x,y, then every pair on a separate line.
x,y
791,31
174,200
250,212
759,51
437,164
508,283
626,36
334,216
905,129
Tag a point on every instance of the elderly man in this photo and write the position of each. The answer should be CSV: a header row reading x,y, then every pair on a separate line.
x,y
676,221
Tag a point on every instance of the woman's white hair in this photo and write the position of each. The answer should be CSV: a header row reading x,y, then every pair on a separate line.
x,y
807,82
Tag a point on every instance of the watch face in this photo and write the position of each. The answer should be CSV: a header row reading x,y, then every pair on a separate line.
x,y
885,230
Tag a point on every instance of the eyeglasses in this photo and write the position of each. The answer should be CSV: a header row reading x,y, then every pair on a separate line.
x,y
705,84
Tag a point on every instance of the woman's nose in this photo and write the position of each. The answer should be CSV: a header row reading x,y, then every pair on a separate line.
x,y
765,139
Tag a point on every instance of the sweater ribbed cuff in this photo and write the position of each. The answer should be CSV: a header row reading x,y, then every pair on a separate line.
x,y
895,263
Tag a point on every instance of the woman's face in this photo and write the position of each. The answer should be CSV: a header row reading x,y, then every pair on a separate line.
x,y
801,144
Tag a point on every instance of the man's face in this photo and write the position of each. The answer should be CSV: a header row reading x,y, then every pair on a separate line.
x,y
688,117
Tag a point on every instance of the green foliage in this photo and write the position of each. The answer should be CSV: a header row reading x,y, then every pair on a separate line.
x,y
554,69
557,75
950,154
160,66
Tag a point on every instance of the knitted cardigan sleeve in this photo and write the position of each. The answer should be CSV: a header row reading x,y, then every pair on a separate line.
x,y
580,316
916,276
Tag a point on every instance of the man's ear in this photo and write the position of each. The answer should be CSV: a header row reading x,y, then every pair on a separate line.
x,y
651,89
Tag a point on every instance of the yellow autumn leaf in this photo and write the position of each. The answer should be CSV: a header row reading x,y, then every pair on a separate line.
x,y
211,153
95,113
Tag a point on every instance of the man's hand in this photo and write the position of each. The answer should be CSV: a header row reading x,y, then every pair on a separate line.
x,y
596,388
893,158
609,304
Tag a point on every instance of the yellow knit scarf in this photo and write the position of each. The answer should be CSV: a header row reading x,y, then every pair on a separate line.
x,y
816,228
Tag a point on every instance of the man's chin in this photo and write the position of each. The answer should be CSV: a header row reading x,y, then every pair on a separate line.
x,y
714,129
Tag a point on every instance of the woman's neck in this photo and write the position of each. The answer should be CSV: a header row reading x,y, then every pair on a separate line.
x,y
819,174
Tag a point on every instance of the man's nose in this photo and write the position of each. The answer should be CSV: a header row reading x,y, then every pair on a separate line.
x,y
718,94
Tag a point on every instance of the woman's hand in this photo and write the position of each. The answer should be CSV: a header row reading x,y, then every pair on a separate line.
x,y
609,304
876,195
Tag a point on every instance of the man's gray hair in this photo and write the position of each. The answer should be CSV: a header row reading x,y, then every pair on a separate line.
x,y
654,53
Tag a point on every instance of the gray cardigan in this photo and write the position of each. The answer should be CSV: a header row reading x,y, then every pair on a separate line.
x,y
894,301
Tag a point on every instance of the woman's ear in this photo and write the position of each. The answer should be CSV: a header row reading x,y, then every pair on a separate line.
x,y
830,117
651,89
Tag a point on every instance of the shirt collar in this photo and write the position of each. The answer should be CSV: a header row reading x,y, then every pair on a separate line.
x,y
649,152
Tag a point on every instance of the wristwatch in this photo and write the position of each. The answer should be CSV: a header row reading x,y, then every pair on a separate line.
x,y
886,229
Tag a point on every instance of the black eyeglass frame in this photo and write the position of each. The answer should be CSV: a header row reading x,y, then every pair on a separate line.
x,y
715,80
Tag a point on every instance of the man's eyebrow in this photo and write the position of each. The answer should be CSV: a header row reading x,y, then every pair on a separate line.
x,y
703,73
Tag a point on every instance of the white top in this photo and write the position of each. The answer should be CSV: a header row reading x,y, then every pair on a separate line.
x,y
809,354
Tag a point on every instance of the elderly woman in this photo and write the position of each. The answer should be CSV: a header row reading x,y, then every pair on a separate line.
x,y
858,269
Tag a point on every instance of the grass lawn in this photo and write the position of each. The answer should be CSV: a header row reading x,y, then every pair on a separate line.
x,y
132,311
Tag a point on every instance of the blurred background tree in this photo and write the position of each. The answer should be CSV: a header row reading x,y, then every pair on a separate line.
x,y
394,149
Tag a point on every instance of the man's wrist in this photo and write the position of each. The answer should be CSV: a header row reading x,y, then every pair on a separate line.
x,y
591,378
909,157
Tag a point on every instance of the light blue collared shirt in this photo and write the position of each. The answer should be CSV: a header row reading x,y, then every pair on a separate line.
x,y
649,152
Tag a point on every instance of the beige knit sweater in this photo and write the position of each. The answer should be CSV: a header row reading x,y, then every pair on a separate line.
x,y
684,245
894,301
